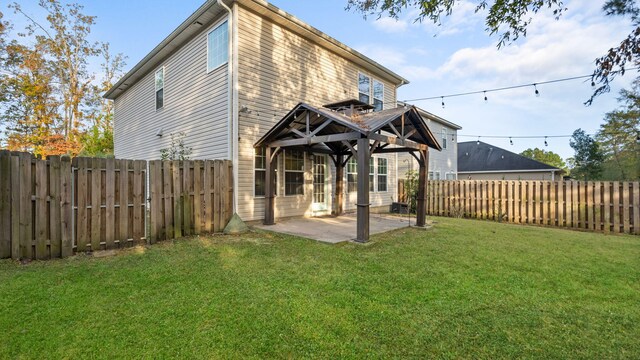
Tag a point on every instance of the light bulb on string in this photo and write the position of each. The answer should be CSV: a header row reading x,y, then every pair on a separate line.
x,y
537,92
478,142
510,141
545,141
442,98
485,97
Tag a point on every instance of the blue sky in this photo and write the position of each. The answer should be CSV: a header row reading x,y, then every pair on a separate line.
x,y
458,56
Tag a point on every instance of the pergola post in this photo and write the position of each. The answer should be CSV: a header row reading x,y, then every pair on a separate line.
x,y
339,185
363,158
269,201
421,206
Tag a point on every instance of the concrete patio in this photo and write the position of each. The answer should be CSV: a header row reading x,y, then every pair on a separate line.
x,y
331,229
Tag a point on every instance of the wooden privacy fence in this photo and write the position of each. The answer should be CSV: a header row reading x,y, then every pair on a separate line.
x,y
55,207
603,206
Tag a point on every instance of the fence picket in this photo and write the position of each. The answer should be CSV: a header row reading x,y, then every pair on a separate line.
x,y
16,209
616,206
55,219
636,208
41,217
96,203
66,207
606,199
5,204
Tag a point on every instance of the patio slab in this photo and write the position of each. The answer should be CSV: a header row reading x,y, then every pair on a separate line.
x,y
331,229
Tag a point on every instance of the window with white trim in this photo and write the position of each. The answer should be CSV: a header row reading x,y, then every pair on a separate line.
x,y
217,46
378,95
444,138
260,173
293,172
352,175
159,81
372,174
382,174
450,176
364,88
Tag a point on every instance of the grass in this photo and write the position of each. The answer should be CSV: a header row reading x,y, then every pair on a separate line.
x,y
464,289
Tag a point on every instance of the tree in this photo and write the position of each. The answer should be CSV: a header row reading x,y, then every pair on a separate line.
x,y
510,19
65,36
618,137
51,102
546,157
588,156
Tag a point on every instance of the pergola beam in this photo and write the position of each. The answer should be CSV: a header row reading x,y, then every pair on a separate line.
x,y
397,141
316,139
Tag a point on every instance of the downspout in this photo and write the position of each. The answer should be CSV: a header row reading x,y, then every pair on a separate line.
x,y
233,130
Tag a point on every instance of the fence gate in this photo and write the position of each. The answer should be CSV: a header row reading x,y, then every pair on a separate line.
x,y
52,208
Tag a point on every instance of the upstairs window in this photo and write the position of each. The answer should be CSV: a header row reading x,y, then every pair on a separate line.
x,y
444,138
382,174
159,89
364,88
378,95
217,46
293,172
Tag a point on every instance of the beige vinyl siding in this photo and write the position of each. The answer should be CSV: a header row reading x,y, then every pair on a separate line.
x,y
276,70
195,102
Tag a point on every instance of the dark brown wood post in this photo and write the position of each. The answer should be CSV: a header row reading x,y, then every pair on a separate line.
x,y
269,188
421,206
363,190
339,198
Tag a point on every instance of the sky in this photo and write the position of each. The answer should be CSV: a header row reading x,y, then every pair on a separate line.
x,y
456,57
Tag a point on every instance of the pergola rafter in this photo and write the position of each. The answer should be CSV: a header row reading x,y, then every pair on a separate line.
x,y
342,132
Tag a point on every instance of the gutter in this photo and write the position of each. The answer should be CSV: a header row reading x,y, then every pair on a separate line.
x,y
233,129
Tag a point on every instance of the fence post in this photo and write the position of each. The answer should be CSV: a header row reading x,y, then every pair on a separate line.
x,y
66,207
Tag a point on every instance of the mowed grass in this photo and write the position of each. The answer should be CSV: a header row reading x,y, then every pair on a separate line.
x,y
468,289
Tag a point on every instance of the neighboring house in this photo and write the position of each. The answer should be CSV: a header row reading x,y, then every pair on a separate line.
x,y
230,72
481,161
443,165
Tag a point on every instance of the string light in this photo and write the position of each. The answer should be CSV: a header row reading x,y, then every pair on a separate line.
x,y
545,141
537,92
510,141
478,142
517,137
442,98
485,97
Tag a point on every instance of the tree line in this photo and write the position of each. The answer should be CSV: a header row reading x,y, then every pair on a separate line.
x,y
613,153
50,98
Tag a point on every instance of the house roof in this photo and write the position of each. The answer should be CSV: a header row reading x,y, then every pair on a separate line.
x,y
210,10
386,121
476,156
427,115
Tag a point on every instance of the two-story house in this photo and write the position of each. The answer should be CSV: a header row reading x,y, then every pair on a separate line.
x,y
443,165
230,72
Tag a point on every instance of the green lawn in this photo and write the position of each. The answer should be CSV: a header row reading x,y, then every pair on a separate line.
x,y
464,289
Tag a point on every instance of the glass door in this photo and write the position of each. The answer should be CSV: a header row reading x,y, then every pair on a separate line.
x,y
319,183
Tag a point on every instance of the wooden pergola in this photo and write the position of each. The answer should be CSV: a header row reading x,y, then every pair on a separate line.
x,y
344,130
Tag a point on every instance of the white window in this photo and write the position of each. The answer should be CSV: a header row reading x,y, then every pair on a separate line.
x,y
217,46
159,88
378,95
352,175
431,175
293,172
444,138
371,91
261,173
364,88
451,176
372,174
382,174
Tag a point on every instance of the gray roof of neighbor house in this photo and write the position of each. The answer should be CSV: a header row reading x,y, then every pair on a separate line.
x,y
474,156
210,10
427,115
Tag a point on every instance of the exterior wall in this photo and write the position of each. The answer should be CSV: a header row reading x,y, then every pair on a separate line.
x,y
542,175
276,70
195,102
